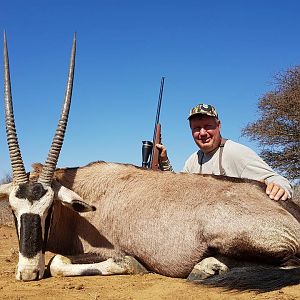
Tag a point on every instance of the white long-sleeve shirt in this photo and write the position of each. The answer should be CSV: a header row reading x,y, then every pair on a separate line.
x,y
237,161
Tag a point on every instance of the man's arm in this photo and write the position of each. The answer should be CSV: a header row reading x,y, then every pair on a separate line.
x,y
254,167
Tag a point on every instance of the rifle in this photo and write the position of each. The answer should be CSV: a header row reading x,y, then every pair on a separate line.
x,y
150,154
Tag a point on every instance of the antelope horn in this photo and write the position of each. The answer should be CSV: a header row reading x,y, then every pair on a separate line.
x,y
19,174
50,164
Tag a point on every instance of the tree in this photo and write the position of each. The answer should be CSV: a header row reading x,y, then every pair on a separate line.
x,y
278,126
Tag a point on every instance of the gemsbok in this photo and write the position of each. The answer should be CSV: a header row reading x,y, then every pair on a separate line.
x,y
110,218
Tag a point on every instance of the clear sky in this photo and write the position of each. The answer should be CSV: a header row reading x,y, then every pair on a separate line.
x,y
220,52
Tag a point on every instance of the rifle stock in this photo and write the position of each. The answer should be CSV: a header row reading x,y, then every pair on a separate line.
x,y
155,151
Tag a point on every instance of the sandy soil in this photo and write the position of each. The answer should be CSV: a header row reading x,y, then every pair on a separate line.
x,y
150,286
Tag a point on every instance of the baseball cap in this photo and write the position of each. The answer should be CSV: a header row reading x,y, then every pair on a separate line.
x,y
203,109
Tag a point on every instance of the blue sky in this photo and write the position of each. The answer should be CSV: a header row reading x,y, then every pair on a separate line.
x,y
220,52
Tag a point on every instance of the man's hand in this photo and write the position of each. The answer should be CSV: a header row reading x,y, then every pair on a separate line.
x,y
163,156
276,192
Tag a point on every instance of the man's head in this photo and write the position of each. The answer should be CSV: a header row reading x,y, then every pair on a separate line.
x,y
205,126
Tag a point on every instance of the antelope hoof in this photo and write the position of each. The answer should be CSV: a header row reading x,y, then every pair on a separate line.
x,y
132,266
207,267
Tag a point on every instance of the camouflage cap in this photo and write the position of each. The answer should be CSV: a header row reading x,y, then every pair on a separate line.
x,y
203,109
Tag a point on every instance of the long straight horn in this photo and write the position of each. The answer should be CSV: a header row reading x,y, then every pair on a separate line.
x,y
19,174
50,164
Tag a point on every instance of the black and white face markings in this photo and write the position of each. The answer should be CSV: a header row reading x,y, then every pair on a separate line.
x,y
32,205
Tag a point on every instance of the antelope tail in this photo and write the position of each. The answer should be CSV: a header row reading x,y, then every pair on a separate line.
x,y
255,278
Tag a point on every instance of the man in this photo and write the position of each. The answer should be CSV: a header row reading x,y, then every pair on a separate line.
x,y
224,157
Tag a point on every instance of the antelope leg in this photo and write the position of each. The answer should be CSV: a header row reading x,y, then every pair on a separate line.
x,y
62,266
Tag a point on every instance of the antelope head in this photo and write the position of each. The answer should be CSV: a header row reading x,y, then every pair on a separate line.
x,y
32,202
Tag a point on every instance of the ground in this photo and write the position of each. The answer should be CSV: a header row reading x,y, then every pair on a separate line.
x,y
150,286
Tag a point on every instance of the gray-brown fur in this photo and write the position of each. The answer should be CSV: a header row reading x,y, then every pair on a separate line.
x,y
170,221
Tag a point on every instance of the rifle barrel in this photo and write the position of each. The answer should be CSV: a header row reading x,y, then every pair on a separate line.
x,y
161,90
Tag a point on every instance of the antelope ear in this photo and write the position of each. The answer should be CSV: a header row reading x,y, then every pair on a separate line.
x,y
5,190
71,199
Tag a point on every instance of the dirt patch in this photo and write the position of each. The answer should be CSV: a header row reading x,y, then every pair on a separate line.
x,y
150,286
6,217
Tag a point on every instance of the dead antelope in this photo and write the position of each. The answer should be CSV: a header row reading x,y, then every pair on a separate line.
x,y
178,225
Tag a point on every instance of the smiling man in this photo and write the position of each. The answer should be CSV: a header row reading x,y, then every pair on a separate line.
x,y
221,156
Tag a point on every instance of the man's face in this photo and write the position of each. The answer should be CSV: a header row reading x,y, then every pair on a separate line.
x,y
206,132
